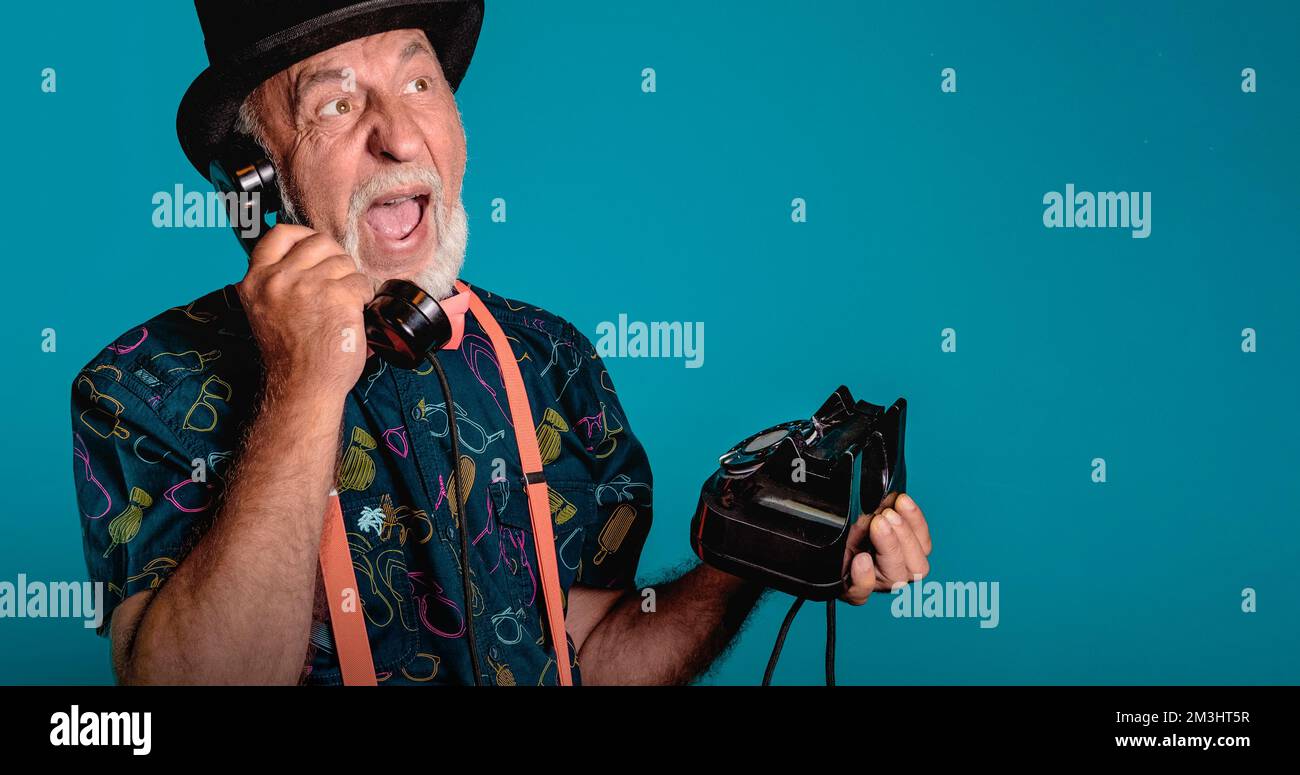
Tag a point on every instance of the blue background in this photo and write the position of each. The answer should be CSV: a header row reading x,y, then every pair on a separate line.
x,y
924,212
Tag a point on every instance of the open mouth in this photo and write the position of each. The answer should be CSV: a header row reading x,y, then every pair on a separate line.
x,y
396,216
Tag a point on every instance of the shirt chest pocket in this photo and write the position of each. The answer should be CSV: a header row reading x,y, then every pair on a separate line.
x,y
381,534
572,507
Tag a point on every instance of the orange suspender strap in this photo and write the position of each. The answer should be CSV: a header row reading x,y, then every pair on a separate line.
x,y
350,640
539,501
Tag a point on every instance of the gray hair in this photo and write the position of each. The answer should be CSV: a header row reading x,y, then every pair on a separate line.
x,y
249,124
249,121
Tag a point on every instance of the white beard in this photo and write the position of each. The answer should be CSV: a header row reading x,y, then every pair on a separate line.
x,y
438,277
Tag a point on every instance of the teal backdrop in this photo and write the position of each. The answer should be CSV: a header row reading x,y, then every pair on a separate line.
x,y
924,212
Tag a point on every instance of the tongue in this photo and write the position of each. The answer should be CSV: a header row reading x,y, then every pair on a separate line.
x,y
394,221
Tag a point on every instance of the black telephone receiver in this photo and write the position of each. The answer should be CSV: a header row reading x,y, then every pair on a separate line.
x,y
403,323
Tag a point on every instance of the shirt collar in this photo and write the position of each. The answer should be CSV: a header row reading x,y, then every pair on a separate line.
x,y
455,306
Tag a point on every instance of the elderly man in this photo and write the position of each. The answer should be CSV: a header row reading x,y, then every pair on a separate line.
x,y
209,440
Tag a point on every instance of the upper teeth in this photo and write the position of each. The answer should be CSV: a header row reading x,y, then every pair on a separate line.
x,y
395,200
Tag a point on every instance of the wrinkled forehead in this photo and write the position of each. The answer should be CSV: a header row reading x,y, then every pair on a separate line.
x,y
371,58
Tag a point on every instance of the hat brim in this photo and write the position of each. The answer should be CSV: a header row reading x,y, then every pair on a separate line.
x,y
210,108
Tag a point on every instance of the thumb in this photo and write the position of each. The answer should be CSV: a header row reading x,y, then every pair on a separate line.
x,y
862,579
889,549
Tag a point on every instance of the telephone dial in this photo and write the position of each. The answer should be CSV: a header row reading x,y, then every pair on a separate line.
x,y
403,323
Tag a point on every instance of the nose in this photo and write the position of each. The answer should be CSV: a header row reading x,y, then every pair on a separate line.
x,y
394,136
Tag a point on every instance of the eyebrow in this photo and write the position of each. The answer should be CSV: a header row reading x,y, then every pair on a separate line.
x,y
310,80
307,81
413,48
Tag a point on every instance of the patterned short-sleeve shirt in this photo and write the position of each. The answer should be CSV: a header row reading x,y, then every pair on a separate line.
x,y
159,417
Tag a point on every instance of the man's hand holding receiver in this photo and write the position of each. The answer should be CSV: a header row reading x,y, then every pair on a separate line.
x,y
305,298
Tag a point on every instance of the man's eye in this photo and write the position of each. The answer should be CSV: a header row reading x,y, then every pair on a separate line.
x,y
336,108
418,85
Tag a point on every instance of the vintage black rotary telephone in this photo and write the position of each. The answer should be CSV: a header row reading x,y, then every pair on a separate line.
x,y
781,508
404,325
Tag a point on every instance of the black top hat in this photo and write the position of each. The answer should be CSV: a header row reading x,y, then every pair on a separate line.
x,y
249,41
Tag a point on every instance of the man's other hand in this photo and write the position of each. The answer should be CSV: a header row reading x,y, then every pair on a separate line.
x,y
901,538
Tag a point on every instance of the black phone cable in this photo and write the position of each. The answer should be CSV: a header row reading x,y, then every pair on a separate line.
x,y
830,642
780,640
454,496
785,630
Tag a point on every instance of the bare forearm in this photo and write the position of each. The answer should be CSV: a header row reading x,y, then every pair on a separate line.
x,y
238,608
696,617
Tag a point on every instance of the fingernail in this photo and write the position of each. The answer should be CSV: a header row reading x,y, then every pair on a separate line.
x,y
884,526
893,517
